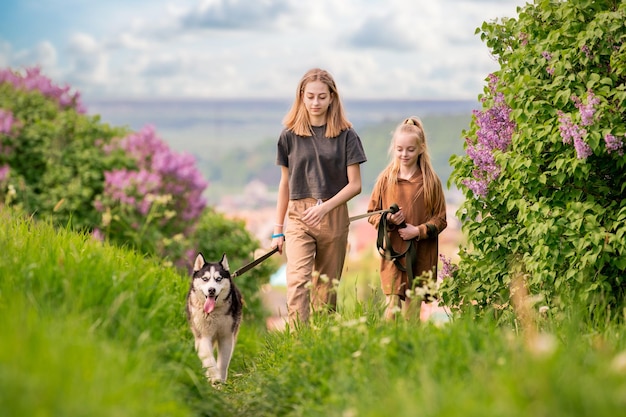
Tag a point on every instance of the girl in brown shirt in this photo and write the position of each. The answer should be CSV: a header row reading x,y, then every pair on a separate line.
x,y
410,182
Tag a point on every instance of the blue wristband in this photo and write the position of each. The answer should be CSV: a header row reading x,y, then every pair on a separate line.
x,y
277,235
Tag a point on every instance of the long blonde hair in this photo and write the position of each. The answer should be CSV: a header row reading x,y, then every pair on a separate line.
x,y
432,184
297,119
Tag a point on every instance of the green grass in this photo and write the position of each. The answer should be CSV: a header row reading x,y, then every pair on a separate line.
x,y
87,329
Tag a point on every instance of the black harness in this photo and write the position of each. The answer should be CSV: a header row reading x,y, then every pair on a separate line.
x,y
385,249
383,244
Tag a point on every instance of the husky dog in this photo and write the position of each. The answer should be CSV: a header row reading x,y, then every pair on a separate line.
x,y
214,307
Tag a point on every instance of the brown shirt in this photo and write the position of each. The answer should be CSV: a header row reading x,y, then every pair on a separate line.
x,y
410,197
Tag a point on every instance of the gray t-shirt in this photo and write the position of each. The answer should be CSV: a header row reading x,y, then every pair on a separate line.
x,y
318,165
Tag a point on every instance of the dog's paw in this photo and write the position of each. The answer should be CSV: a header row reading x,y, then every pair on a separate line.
x,y
217,383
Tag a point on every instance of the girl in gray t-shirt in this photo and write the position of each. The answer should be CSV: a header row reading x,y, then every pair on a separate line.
x,y
319,154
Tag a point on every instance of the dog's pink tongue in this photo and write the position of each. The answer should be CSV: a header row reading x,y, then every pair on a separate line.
x,y
209,305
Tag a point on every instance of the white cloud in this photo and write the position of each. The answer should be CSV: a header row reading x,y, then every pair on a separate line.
x,y
237,48
235,14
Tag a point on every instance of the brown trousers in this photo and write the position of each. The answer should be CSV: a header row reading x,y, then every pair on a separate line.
x,y
315,257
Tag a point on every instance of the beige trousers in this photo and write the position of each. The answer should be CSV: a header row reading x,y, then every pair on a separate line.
x,y
315,257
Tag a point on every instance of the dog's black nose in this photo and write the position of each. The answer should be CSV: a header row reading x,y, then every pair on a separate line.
x,y
212,292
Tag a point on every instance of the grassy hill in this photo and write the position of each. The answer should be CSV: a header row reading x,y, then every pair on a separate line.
x,y
92,330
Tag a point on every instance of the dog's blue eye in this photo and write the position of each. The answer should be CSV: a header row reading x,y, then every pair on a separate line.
x,y
205,279
218,279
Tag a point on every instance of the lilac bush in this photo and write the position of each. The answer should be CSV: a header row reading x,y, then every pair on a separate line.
x,y
548,201
33,80
157,201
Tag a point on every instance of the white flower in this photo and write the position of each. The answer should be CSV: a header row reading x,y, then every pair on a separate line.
x,y
618,364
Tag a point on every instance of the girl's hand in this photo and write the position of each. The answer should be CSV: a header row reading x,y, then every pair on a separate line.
x,y
409,232
278,242
396,218
313,216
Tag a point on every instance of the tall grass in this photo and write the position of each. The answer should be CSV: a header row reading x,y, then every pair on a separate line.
x,y
364,367
87,330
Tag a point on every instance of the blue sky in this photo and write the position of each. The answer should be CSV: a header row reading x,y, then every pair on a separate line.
x,y
395,49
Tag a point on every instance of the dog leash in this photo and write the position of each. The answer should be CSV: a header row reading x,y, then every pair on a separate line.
x,y
393,209
254,263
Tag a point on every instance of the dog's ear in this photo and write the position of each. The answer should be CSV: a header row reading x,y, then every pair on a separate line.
x,y
224,263
199,263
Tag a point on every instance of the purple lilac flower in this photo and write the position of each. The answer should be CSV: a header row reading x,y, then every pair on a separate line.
x,y
495,130
6,121
98,235
478,187
587,110
582,149
123,185
161,172
614,144
4,172
34,80
550,70
523,37
570,132
547,55
448,268
586,50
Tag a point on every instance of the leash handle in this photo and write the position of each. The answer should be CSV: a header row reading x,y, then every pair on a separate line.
x,y
393,210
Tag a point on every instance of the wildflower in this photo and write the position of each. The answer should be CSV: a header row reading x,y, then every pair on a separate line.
x,y
106,218
547,55
618,364
542,344
396,310
350,323
550,70
543,310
